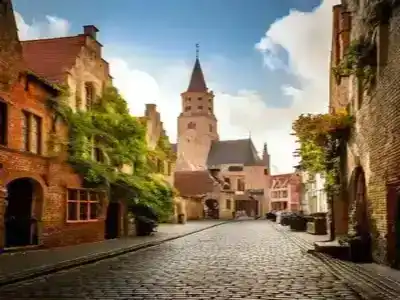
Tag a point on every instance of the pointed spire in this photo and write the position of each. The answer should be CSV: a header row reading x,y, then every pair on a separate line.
x,y
197,82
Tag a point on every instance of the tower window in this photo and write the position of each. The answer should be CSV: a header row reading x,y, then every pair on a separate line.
x,y
189,99
210,128
188,108
199,98
200,107
210,109
191,125
89,94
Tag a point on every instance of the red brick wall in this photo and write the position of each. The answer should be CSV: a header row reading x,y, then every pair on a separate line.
x,y
52,175
374,144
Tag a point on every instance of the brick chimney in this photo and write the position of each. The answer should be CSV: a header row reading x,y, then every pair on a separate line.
x,y
90,30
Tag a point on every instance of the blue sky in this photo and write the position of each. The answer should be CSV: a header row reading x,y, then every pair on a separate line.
x,y
153,40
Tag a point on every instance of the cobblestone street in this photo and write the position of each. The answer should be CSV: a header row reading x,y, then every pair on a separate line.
x,y
240,260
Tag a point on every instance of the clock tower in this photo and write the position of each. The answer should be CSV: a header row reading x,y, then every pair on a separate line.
x,y
197,124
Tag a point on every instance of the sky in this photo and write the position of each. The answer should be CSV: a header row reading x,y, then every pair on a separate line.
x,y
267,61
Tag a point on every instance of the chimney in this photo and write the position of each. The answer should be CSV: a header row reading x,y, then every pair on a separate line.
x,y
90,30
150,109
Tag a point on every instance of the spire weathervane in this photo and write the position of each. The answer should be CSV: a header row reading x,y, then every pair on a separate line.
x,y
197,51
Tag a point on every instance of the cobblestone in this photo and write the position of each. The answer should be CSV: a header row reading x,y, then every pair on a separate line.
x,y
242,260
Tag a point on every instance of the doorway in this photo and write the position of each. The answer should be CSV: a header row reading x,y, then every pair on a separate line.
x,y
250,206
20,226
212,209
112,228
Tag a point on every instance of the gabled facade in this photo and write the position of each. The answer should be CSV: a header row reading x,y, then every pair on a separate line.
x,y
285,192
44,202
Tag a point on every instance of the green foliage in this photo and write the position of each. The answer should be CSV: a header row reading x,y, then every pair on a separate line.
x,y
359,60
319,136
120,138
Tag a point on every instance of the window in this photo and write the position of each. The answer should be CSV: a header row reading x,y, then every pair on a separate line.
x,y
227,183
99,155
188,108
191,125
266,172
3,123
83,205
274,194
37,134
210,110
25,131
188,99
210,128
31,133
228,203
240,184
199,98
235,168
284,194
89,94
200,107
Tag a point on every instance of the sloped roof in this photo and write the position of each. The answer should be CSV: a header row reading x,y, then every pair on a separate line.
x,y
233,152
193,183
197,82
52,58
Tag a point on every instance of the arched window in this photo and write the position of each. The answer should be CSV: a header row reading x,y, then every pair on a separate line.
x,y
191,125
89,94
210,127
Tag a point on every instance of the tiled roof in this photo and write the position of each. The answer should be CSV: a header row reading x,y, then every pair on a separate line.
x,y
197,82
52,58
193,183
233,152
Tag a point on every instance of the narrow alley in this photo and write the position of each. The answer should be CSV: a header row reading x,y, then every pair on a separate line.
x,y
238,260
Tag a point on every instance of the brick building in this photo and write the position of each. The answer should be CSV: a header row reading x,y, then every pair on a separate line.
x,y
372,176
242,176
43,201
285,192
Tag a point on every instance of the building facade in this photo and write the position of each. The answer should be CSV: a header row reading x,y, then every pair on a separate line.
x,y
371,201
285,192
234,164
313,195
44,202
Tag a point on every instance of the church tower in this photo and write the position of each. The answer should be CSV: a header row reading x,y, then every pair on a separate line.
x,y
197,124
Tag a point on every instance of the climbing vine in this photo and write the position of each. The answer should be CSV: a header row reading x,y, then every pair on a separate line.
x,y
320,137
104,139
359,60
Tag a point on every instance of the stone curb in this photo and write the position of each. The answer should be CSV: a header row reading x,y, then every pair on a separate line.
x,y
365,285
69,264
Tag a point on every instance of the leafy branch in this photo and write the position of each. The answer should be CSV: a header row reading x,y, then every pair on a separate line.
x,y
320,136
108,128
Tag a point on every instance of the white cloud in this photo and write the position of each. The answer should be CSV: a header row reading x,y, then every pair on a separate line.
x,y
306,38
51,27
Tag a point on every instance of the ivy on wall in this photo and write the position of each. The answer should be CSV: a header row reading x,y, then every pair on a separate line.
x,y
359,60
107,130
320,137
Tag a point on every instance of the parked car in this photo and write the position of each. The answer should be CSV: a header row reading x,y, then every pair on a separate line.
x,y
271,215
284,218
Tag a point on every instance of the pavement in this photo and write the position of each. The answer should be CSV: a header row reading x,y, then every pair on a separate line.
x,y
238,260
19,266
370,280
